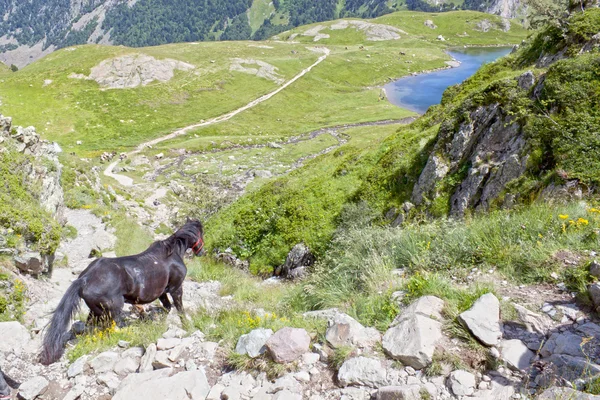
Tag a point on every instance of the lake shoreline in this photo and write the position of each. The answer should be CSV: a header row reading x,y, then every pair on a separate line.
x,y
420,90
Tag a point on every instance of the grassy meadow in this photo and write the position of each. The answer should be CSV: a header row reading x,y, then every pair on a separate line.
x,y
345,88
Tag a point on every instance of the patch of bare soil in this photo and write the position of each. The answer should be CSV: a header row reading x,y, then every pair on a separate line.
x,y
264,70
133,70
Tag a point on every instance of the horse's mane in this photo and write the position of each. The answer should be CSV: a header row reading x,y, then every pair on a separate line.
x,y
181,239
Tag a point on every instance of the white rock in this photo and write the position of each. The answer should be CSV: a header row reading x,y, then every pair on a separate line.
x,y
14,336
413,340
362,371
167,344
104,362
77,367
253,343
344,330
182,386
148,358
462,383
127,365
515,354
33,387
483,319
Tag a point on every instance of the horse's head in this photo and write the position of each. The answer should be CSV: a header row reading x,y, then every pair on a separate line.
x,y
198,245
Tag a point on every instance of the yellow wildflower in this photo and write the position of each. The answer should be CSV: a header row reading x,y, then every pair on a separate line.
x,y
563,216
582,221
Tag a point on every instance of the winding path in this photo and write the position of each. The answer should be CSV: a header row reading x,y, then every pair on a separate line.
x,y
127,181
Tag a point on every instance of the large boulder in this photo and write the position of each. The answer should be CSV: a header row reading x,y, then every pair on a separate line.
x,y
516,355
253,343
344,330
14,337
288,344
563,343
362,371
483,320
182,386
414,334
33,387
560,393
30,263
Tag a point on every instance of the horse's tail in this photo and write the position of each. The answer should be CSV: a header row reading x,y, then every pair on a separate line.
x,y
57,334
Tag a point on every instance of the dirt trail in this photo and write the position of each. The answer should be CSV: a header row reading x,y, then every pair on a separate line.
x,y
126,181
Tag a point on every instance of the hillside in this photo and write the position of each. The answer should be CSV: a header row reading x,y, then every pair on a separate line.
x,y
34,29
352,249
71,109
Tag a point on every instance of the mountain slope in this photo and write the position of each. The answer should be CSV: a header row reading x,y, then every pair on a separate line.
x,y
35,28
523,128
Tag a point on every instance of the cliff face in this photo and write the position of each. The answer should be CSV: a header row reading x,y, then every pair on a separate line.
x,y
31,197
507,8
508,135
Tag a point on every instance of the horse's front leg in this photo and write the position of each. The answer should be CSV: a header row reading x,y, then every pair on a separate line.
x,y
164,299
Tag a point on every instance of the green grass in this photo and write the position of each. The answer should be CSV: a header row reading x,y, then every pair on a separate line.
x,y
302,206
137,334
341,90
260,10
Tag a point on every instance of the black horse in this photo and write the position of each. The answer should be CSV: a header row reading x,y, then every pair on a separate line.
x,y
108,283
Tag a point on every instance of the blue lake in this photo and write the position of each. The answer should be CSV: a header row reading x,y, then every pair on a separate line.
x,y
418,93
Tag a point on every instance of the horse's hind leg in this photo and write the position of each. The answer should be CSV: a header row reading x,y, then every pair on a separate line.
x,y
164,299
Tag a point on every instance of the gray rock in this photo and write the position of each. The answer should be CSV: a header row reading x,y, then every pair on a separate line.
x,y
140,378
533,322
461,383
109,379
167,344
33,387
560,393
435,169
253,343
262,174
483,320
413,336
526,80
299,257
135,352
77,367
344,330
362,371
182,386
127,365
515,354
148,358
286,395
407,392
563,343
14,336
427,306
104,362
429,23
30,263
594,291
161,360
288,344
572,368
595,269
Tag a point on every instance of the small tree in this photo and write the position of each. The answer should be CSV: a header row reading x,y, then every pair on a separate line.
x,y
14,68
